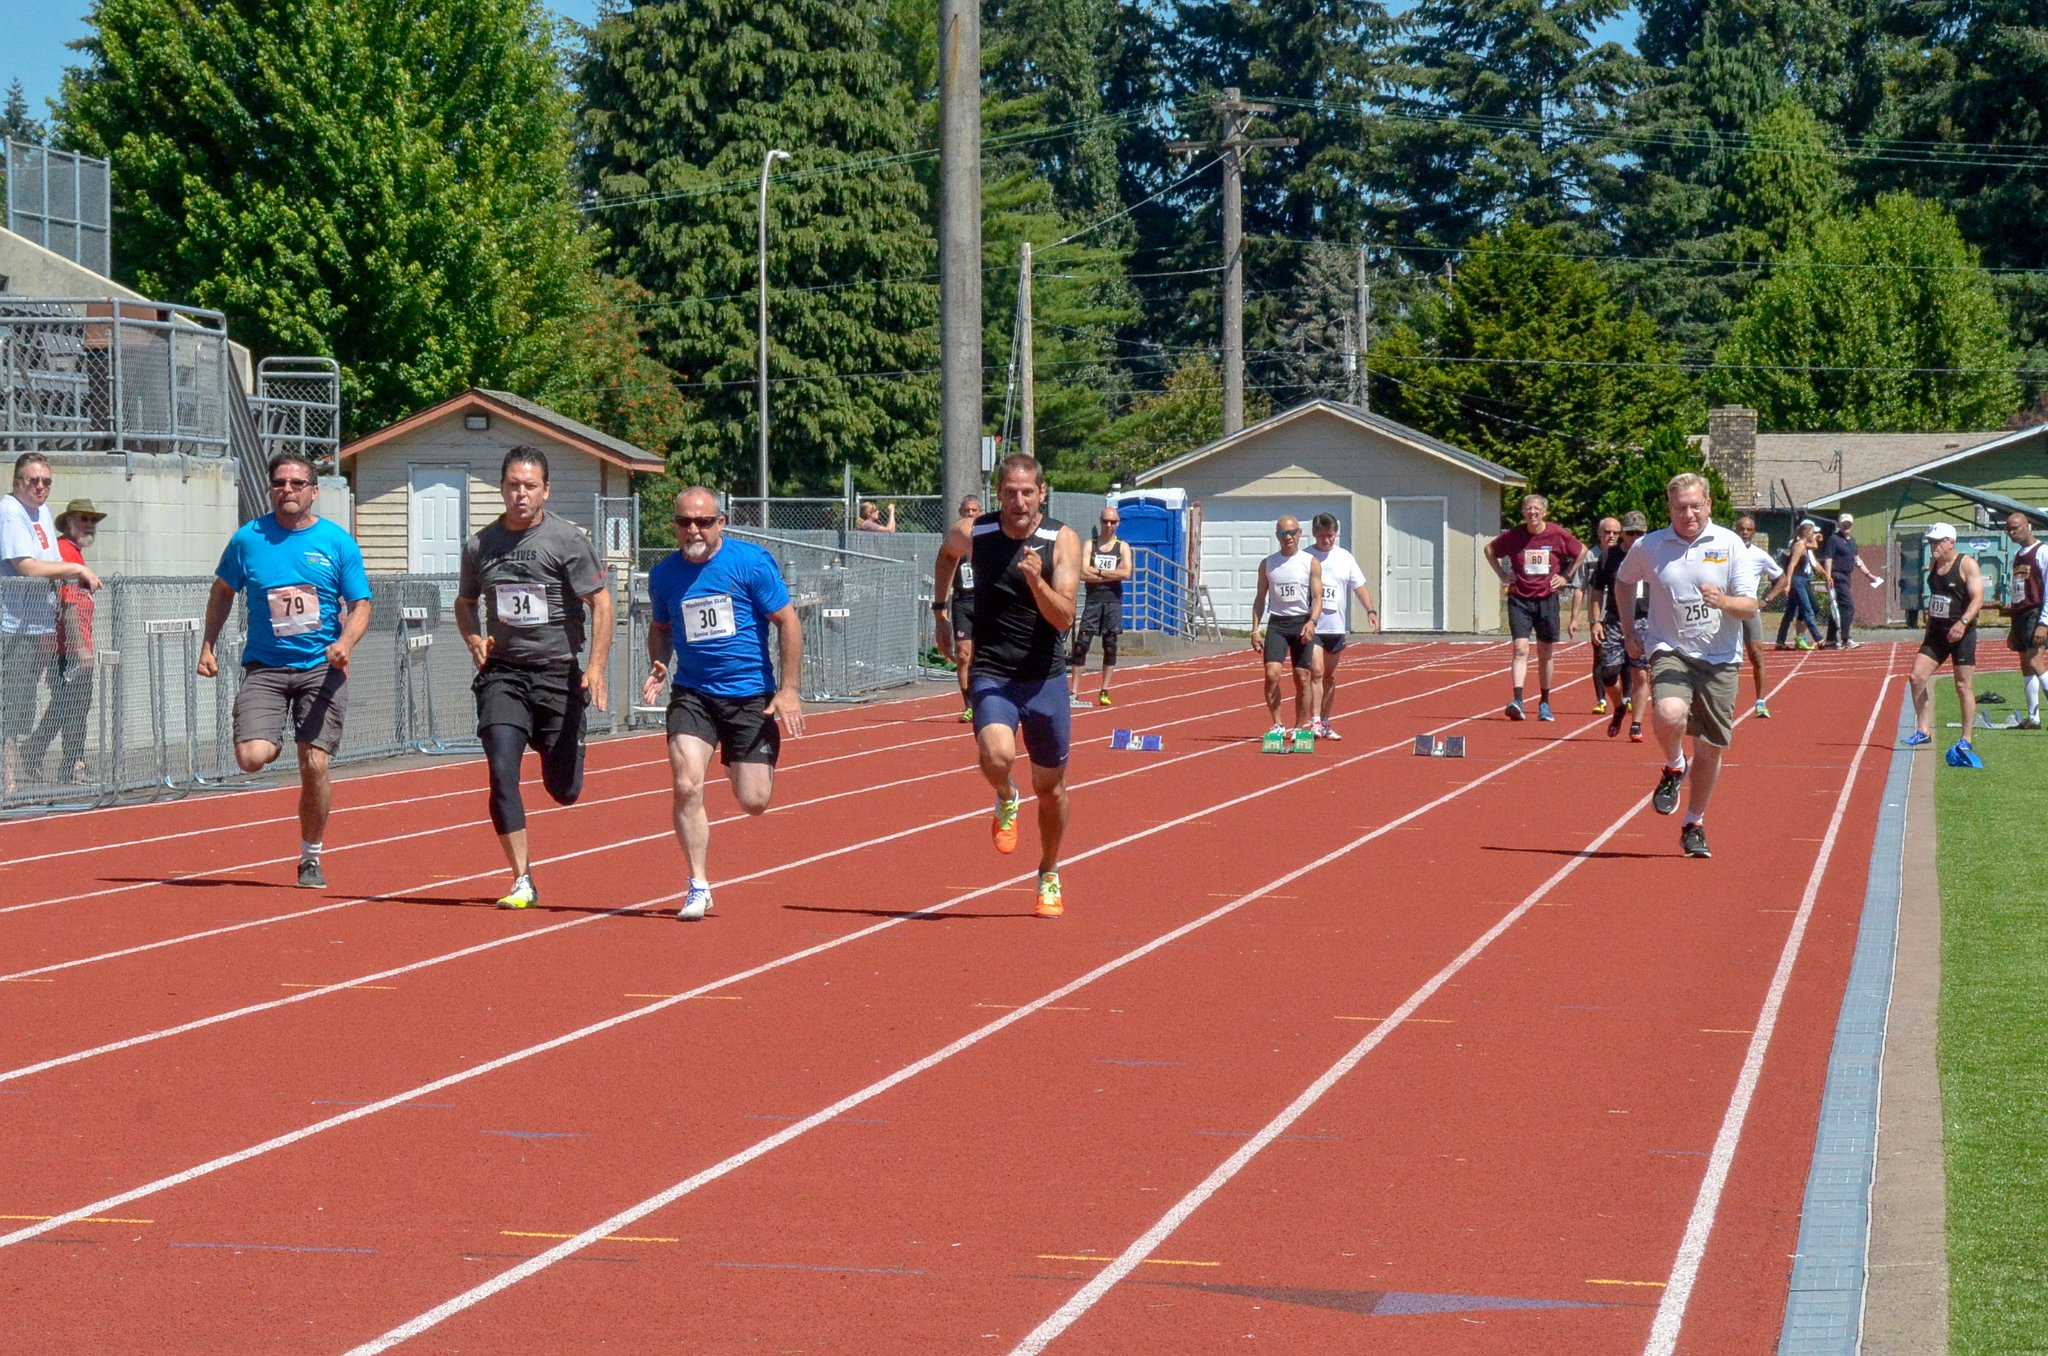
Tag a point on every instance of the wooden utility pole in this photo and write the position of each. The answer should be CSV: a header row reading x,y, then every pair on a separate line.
x,y
1027,440
959,249
1233,112
1361,381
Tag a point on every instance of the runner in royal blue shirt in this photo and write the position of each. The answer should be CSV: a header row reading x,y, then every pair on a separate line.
x,y
308,603
714,602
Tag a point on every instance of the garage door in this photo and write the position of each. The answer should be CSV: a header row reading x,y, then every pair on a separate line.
x,y
1237,533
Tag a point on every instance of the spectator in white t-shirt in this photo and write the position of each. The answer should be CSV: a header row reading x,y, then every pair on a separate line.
x,y
28,612
1753,627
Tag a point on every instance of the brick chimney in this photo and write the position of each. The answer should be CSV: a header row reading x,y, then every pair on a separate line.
x,y
1731,450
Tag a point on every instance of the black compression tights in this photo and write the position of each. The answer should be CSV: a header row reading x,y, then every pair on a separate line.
x,y
561,771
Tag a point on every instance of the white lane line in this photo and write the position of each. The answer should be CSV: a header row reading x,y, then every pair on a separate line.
x,y
504,1280
503,1061
333,849
514,938
1692,1249
1133,1256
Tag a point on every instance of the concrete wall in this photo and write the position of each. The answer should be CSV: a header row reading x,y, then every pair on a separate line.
x,y
1322,454
172,517
382,477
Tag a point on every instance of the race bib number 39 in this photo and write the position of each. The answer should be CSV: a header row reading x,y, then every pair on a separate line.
x,y
1937,606
294,609
521,604
708,617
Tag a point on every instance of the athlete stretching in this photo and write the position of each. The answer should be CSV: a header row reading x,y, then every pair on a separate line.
x,y
1027,570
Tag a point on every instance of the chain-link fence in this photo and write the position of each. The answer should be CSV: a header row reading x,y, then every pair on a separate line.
x,y
102,700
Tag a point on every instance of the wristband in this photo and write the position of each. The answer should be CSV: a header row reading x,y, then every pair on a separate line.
x,y
941,607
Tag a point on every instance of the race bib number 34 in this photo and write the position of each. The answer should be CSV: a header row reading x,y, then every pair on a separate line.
x,y
708,617
521,604
294,609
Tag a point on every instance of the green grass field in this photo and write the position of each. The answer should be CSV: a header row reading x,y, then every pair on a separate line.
x,y
1993,858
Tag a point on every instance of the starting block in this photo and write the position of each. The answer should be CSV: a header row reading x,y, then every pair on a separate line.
x,y
1132,742
1428,746
1288,741
2011,722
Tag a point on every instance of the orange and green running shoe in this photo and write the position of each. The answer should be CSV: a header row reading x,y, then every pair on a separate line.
x,y
1004,828
1049,904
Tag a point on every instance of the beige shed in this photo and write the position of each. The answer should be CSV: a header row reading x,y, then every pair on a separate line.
x,y
1414,510
423,484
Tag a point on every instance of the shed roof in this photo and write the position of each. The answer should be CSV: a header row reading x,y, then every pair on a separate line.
x,y
1919,470
1399,432
526,413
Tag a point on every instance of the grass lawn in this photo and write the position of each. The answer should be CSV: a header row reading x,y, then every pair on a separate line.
x,y
1993,858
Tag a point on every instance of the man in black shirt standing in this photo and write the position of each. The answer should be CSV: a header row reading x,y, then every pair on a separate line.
x,y
1843,559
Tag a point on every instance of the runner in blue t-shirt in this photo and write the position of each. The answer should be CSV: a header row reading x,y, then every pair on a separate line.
x,y
714,601
308,604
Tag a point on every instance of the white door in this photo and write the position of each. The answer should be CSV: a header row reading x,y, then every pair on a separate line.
x,y
438,519
1411,575
1237,533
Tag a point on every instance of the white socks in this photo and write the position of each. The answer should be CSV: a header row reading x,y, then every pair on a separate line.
x,y
308,852
2033,696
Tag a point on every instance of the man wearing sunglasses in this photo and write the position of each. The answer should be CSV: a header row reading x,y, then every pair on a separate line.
x,y
534,572
1292,580
28,614
714,602
308,603
1105,565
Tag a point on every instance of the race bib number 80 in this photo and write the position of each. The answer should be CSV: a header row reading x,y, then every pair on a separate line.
x,y
294,609
708,617
1536,562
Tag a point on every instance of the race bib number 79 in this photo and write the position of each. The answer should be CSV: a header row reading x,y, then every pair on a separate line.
x,y
294,609
708,617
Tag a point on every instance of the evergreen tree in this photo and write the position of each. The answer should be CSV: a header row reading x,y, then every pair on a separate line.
x,y
1315,332
682,100
1530,360
365,179
1041,67
1883,321
1185,414
15,121
1510,111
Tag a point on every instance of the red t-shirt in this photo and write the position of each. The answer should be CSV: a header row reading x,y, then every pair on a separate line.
x,y
76,595
1533,558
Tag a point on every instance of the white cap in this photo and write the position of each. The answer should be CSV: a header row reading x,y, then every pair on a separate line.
x,y
1941,532
1845,518
1805,523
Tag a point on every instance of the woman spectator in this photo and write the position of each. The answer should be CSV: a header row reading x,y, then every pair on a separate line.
x,y
871,518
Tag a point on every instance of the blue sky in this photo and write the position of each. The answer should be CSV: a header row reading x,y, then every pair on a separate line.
x,y
38,29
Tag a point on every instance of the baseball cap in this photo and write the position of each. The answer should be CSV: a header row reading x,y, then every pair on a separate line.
x,y
1634,521
1845,518
1941,532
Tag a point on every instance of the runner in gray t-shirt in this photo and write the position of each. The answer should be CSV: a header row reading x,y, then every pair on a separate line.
x,y
534,572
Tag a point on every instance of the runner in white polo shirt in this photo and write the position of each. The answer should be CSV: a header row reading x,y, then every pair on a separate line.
x,y
1701,581
1341,578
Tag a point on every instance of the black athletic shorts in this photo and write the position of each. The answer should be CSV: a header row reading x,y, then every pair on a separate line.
x,y
740,728
1936,646
1538,615
961,613
2025,621
1333,642
547,703
1102,615
1290,639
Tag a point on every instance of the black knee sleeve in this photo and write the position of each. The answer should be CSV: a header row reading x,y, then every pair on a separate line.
x,y
1109,649
504,746
1078,657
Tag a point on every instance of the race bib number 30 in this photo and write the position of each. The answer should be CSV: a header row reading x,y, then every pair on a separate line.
x,y
294,609
708,617
521,604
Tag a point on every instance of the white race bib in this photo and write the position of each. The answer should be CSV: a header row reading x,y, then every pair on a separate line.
x,y
1937,606
521,604
294,609
708,617
1291,593
1329,597
966,576
1106,562
1698,620
1536,562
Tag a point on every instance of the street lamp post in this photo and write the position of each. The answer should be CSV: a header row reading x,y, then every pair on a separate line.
x,y
761,378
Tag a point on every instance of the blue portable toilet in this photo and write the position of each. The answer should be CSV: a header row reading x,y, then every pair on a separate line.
x,y
1157,521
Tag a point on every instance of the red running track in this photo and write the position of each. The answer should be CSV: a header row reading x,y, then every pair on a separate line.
x,y
1351,1052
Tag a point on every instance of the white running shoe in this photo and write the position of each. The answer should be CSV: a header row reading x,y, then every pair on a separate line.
x,y
696,903
1325,730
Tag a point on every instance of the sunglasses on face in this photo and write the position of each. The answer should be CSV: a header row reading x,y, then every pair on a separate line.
x,y
1290,532
291,484
685,520
37,482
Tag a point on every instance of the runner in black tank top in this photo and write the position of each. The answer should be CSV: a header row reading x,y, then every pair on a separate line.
x,y
1027,571
1955,594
